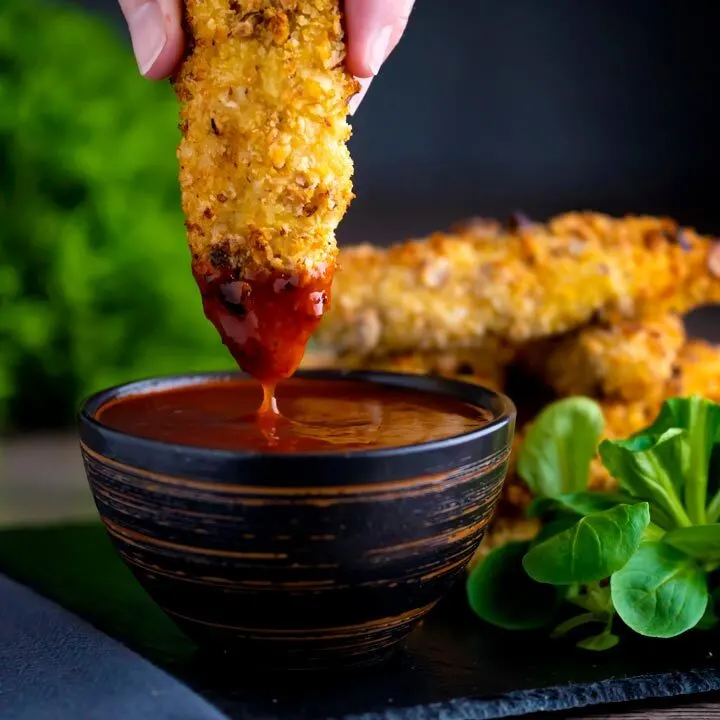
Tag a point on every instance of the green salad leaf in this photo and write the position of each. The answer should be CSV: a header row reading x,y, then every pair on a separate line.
x,y
596,546
647,555
560,445
579,503
650,467
554,527
661,592
709,620
602,641
700,419
697,541
500,592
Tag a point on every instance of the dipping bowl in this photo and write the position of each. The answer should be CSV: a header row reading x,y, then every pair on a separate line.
x,y
298,560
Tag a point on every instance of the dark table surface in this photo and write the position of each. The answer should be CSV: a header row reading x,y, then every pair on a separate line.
x,y
43,482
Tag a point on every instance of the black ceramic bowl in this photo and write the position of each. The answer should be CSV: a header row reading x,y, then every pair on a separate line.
x,y
299,560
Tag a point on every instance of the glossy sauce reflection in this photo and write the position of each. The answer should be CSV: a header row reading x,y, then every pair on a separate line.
x,y
317,415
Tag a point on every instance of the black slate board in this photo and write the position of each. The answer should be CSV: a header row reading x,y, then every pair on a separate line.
x,y
451,668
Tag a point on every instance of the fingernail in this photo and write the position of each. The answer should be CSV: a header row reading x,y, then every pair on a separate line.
x,y
147,30
379,49
355,100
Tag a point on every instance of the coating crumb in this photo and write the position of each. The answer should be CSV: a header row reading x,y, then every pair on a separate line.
x,y
696,371
520,282
630,361
265,171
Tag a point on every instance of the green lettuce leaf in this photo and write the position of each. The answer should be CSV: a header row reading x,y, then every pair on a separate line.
x,y
500,592
700,419
559,446
698,541
592,549
650,467
661,592
580,503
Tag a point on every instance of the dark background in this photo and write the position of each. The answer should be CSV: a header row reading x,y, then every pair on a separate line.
x,y
488,106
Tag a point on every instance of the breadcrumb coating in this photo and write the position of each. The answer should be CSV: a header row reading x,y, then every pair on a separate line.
x,y
265,171
630,361
699,371
695,371
527,281
590,303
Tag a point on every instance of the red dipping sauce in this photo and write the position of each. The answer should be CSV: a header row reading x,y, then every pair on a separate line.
x,y
316,415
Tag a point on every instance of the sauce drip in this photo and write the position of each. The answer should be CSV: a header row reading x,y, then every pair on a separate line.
x,y
318,415
264,321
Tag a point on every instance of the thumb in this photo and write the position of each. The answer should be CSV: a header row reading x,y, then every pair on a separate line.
x,y
156,34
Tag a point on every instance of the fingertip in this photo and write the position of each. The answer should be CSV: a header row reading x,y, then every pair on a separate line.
x,y
167,61
358,67
356,60
374,28
358,27
157,37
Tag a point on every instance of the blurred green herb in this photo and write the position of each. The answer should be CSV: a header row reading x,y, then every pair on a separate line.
x,y
95,285
646,554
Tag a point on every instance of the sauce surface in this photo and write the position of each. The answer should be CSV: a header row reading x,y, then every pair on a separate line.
x,y
310,415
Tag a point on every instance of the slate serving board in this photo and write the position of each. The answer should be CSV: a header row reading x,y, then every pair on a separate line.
x,y
452,667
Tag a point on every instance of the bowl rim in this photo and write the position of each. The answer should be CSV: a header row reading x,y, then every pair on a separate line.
x,y
492,440
503,413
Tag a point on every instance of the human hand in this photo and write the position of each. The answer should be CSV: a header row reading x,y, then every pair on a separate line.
x,y
374,28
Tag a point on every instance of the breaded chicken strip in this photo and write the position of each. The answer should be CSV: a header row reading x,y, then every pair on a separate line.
x,y
696,371
265,170
631,361
699,371
622,420
510,522
526,282
485,366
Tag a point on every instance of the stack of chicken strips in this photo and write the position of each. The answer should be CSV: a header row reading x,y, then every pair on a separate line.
x,y
584,304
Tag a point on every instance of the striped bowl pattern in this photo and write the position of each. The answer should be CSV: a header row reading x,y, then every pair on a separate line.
x,y
311,570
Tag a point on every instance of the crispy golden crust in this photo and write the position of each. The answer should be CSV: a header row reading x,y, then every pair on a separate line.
x,y
264,167
630,361
622,420
696,371
699,371
452,290
485,366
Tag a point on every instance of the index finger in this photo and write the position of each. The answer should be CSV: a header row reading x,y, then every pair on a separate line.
x,y
374,28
